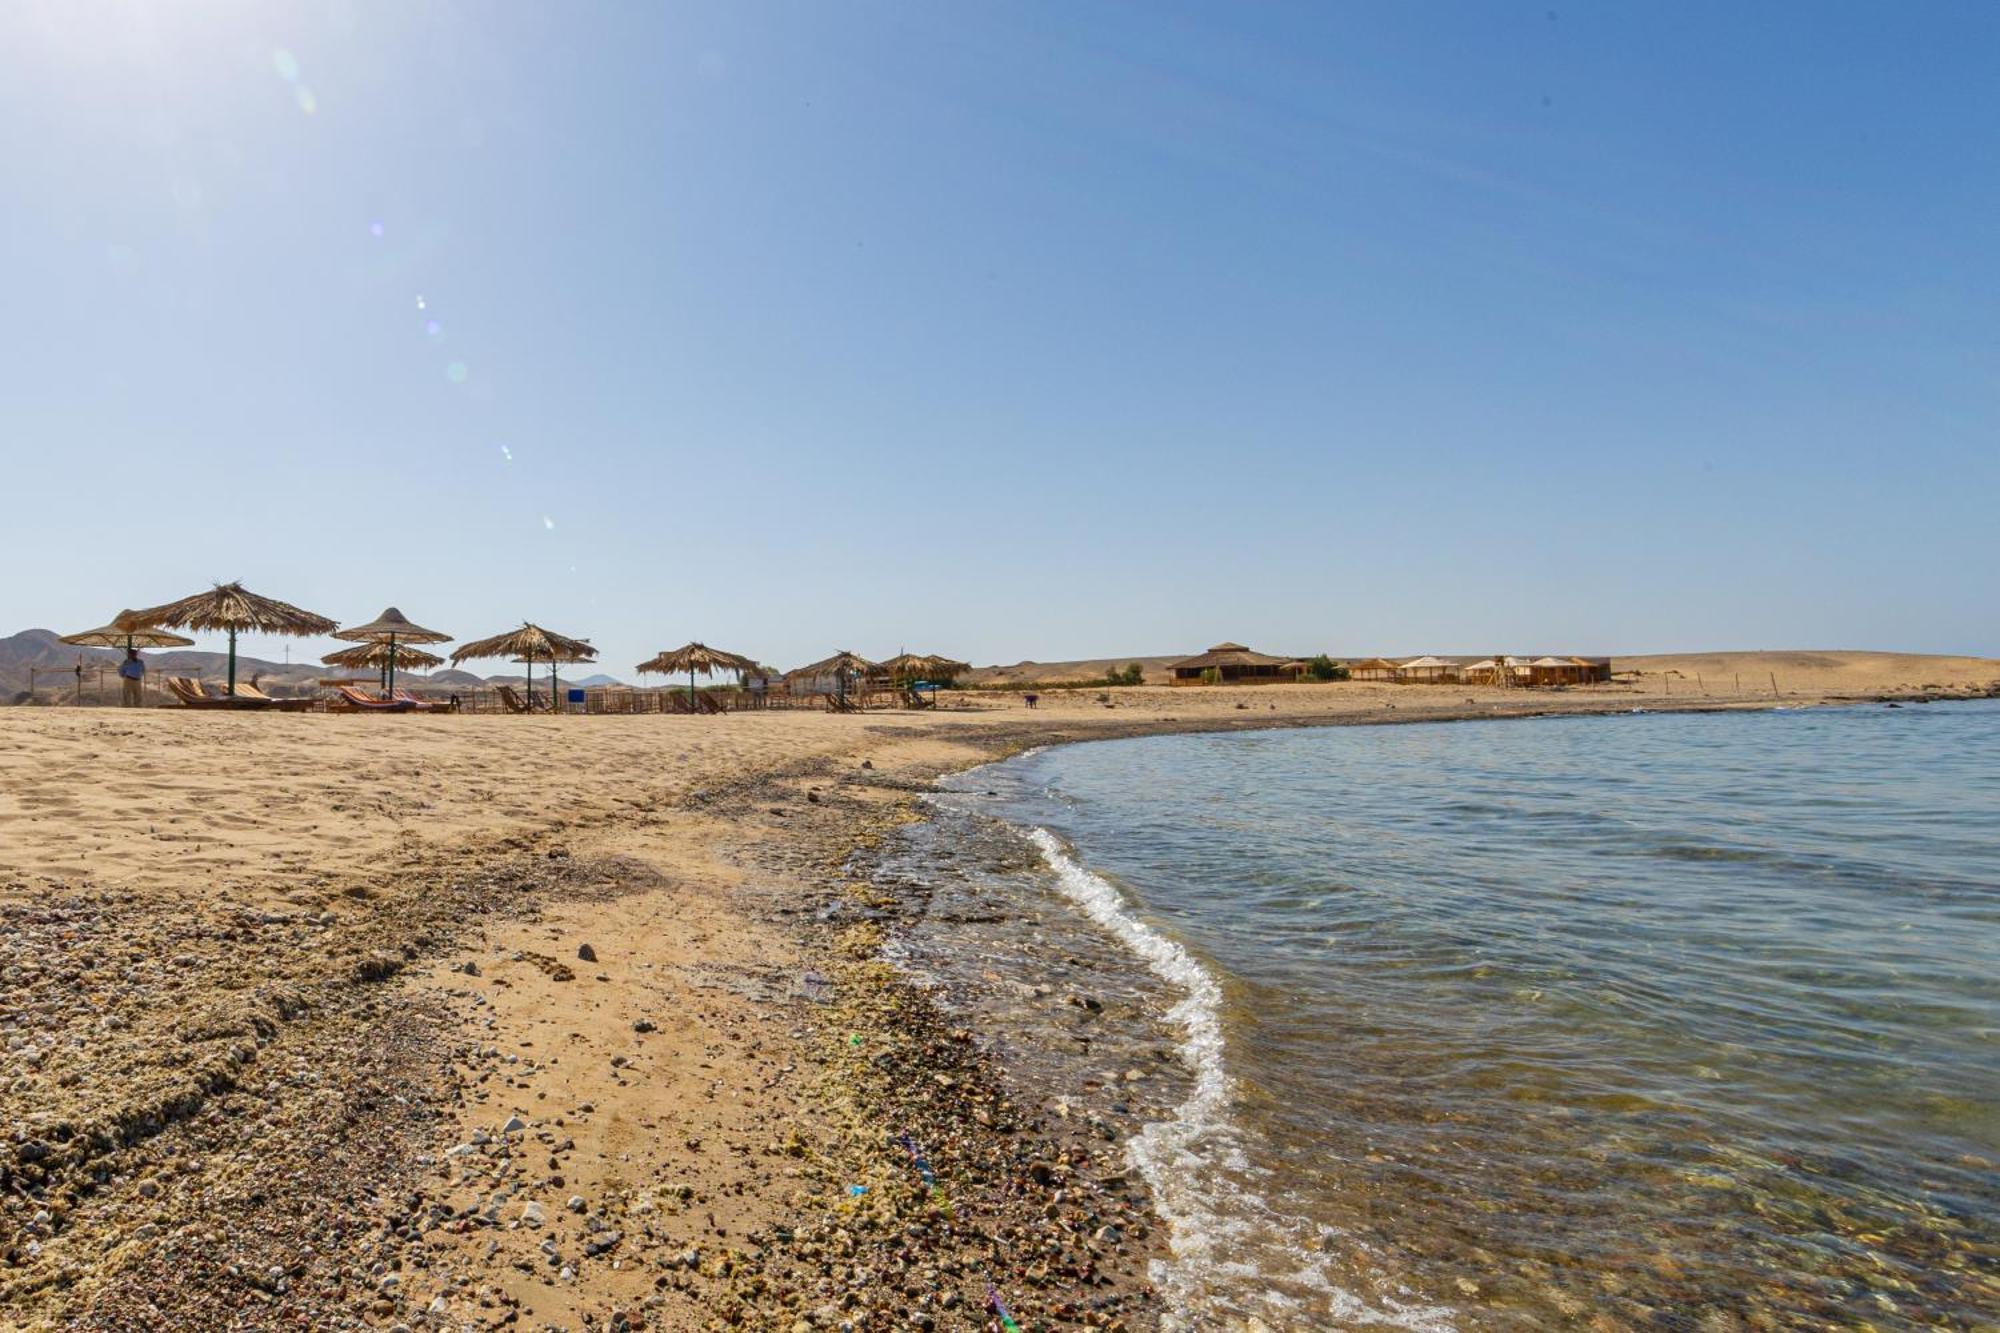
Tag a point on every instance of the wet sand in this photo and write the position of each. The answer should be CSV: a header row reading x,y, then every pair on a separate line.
x,y
301,1028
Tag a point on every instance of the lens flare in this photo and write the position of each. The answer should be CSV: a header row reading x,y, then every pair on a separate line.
x,y
456,372
420,304
506,453
286,64
375,229
307,102
548,524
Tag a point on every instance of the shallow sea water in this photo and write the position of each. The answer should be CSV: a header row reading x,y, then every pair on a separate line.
x,y
1657,1021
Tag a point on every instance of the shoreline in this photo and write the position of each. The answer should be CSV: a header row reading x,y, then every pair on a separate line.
x,y
1067,862
282,1160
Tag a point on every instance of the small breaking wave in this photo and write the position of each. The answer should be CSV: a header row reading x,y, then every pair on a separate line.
x,y
1237,1260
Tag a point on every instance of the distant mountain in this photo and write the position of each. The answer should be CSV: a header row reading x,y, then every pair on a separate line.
x,y
599,679
54,662
1047,673
39,649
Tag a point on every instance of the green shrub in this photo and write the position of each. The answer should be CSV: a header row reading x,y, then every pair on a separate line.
x,y
1325,668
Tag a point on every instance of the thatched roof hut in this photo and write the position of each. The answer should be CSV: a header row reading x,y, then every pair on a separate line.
x,y
232,608
844,668
1233,664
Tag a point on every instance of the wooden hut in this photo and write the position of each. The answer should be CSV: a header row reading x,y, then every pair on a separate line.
x,y
1594,669
1233,664
1427,671
1373,668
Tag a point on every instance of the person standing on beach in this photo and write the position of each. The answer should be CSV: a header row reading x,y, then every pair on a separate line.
x,y
132,671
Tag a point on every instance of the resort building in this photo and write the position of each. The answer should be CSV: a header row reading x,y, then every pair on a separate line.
x,y
1428,670
1233,664
1508,671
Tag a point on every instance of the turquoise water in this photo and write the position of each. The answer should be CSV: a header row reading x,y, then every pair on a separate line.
x,y
1666,1020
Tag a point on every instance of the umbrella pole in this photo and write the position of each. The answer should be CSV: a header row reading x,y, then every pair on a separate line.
x,y
531,682
392,665
555,685
232,663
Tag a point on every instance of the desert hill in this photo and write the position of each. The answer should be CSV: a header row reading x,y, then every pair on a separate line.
x,y
1837,670
54,663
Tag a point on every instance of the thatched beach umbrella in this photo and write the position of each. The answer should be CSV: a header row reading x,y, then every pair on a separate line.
x,y
924,666
530,643
234,608
131,638
392,628
382,658
697,657
121,633
842,666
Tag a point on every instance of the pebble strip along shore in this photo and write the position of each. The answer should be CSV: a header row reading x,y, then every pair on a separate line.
x,y
227,1115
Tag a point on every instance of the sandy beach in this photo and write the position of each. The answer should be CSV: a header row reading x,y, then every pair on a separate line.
x,y
477,1022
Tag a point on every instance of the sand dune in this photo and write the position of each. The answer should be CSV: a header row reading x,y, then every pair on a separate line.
x,y
1833,671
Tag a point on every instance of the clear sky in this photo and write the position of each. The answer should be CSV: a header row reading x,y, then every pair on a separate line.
x,y
1011,330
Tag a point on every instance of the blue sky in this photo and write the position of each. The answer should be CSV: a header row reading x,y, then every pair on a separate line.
x,y
1011,330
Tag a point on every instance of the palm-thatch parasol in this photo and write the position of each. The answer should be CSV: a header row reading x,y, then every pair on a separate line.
x,y
234,608
124,633
393,627
697,657
842,666
924,666
382,657
530,643
130,639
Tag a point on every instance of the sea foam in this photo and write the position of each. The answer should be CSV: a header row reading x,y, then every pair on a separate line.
x,y
1224,1234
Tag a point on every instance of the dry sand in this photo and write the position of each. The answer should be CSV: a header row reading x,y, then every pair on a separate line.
x,y
297,1031
1816,673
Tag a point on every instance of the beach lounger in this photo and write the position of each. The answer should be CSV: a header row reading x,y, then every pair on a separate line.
x,y
363,702
421,705
510,698
251,692
193,694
